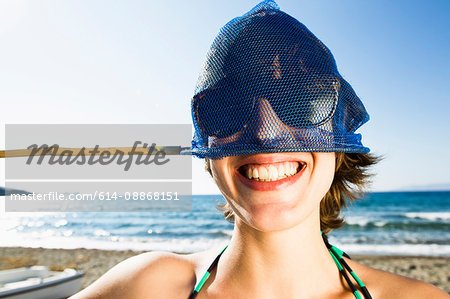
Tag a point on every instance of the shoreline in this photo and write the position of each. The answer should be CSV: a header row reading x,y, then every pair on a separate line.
x,y
95,262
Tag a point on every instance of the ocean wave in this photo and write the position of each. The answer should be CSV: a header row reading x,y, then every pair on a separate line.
x,y
188,245
432,216
395,249
403,225
357,220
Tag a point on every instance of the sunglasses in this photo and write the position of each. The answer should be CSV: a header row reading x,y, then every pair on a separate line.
x,y
230,105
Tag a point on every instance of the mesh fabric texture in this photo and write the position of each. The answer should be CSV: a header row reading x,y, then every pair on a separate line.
x,y
269,85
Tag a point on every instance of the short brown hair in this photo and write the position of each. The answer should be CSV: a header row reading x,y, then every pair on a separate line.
x,y
350,178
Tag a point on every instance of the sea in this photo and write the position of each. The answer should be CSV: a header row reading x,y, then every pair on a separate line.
x,y
385,223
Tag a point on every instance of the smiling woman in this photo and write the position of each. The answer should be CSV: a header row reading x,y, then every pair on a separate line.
x,y
276,124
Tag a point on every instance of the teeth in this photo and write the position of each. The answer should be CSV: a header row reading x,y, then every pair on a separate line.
x,y
281,170
249,173
292,170
271,172
255,174
263,174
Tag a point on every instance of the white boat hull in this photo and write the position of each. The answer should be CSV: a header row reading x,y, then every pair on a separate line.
x,y
39,283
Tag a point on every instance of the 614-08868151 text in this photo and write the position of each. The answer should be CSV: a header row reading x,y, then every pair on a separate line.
x,y
103,196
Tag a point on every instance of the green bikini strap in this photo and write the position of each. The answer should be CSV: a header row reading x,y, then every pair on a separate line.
x,y
342,265
206,275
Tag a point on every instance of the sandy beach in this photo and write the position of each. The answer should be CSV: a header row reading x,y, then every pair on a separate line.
x,y
94,263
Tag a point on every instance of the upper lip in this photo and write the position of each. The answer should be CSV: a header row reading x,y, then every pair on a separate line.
x,y
268,159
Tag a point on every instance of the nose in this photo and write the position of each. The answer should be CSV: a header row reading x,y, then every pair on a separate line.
x,y
267,128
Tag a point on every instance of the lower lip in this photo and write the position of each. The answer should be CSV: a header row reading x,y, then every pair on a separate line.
x,y
270,185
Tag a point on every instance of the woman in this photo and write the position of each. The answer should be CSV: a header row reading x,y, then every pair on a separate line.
x,y
275,123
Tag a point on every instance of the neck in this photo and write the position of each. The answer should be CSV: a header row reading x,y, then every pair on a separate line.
x,y
294,261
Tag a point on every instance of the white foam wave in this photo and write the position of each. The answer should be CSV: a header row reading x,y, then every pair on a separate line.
x,y
187,245
380,223
66,241
357,220
432,216
396,249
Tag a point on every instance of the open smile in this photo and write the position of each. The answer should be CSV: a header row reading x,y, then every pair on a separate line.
x,y
269,174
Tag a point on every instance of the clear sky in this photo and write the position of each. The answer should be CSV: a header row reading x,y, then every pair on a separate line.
x,y
138,61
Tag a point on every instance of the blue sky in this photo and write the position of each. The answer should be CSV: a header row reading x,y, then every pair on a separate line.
x,y
138,62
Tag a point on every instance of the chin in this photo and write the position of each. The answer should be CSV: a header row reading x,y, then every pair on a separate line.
x,y
270,215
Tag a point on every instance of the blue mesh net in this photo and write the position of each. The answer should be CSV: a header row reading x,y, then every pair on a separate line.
x,y
269,85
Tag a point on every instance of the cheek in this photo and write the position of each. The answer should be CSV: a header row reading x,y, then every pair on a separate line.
x,y
323,176
222,176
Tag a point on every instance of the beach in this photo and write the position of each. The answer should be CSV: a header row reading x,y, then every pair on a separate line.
x,y
95,262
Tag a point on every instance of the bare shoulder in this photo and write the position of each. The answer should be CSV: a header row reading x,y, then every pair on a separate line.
x,y
147,275
382,284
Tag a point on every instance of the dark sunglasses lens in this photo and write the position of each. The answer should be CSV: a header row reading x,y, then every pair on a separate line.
x,y
222,111
309,105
